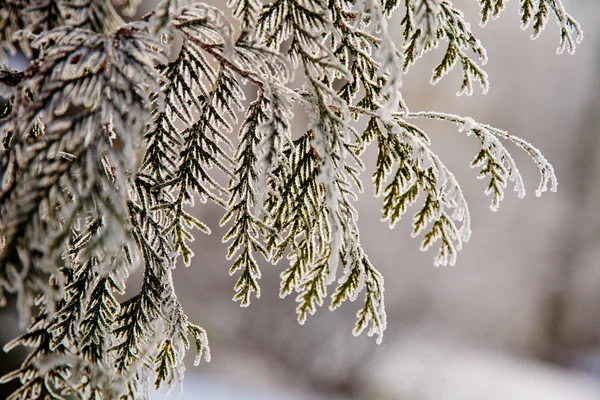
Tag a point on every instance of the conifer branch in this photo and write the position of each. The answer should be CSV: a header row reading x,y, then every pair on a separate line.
x,y
106,144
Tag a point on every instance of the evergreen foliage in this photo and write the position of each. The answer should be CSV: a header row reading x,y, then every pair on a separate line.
x,y
114,130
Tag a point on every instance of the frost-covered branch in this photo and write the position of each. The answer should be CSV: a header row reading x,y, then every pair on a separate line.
x,y
114,131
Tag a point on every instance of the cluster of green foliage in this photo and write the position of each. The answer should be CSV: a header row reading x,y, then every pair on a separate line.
x,y
113,130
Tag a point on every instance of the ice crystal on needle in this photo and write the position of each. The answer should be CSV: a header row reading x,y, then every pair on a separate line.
x,y
113,130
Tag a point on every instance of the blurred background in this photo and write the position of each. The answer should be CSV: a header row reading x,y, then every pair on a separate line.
x,y
518,317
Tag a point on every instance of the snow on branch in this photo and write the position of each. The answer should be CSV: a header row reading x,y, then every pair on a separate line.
x,y
114,131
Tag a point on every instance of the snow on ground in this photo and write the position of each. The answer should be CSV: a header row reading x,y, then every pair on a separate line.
x,y
205,387
424,369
